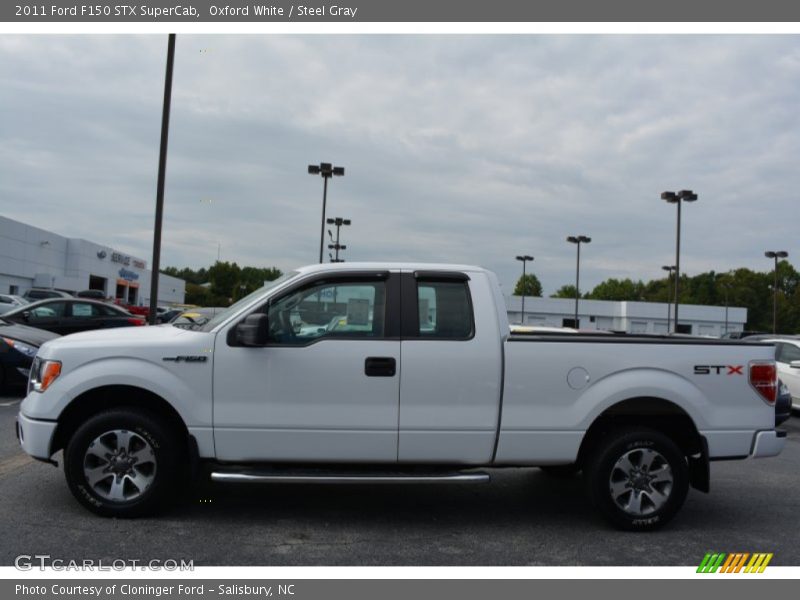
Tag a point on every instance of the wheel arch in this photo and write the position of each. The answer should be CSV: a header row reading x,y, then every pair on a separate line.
x,y
105,397
660,415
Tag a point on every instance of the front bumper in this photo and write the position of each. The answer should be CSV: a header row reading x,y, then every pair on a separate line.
x,y
768,443
35,436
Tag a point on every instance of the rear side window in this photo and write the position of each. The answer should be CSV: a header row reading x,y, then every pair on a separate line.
x,y
445,310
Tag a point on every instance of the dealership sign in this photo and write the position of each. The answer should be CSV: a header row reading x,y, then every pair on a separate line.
x,y
128,275
120,258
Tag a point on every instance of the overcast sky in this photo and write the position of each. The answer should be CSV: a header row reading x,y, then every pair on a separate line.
x,y
468,149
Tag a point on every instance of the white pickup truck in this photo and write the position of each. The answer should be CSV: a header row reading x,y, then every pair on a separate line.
x,y
393,373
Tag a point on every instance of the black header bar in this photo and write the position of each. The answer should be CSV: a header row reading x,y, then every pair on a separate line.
x,y
371,11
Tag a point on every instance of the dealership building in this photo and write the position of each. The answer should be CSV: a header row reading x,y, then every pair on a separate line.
x,y
631,317
32,257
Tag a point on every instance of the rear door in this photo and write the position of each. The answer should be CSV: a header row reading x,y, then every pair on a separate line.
x,y
450,383
83,316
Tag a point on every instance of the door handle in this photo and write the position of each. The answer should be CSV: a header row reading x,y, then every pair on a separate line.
x,y
380,366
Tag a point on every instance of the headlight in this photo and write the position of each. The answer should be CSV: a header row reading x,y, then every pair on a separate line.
x,y
43,373
22,348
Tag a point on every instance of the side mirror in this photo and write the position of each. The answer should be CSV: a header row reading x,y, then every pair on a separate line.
x,y
26,315
795,364
253,331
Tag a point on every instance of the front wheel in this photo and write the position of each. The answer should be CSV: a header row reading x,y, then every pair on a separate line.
x,y
638,479
122,463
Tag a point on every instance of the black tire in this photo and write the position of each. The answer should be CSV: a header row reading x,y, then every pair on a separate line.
x,y
561,471
640,498
149,482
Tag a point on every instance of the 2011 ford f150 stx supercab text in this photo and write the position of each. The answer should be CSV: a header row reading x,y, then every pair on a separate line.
x,y
393,373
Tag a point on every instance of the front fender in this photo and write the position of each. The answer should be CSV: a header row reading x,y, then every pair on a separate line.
x,y
190,396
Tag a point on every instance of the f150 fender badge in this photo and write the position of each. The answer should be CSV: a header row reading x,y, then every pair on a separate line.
x,y
188,359
718,369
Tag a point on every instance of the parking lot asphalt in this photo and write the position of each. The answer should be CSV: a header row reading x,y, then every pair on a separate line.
x,y
522,518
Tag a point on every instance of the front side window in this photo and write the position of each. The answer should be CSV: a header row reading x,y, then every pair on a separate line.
x,y
445,312
328,310
48,311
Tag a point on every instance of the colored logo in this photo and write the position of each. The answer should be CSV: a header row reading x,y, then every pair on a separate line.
x,y
737,562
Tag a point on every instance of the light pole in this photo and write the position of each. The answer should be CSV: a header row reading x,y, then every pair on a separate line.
x,y
776,254
524,258
162,174
578,240
326,171
727,288
669,269
676,198
338,221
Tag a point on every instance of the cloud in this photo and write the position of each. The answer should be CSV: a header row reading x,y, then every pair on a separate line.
x,y
457,148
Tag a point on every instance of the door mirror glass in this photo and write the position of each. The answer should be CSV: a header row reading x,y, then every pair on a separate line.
x,y
253,331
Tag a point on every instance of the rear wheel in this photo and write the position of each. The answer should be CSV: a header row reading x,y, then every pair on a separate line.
x,y
638,478
122,463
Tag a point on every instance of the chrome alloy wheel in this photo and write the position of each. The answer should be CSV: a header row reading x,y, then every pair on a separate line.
x,y
641,481
119,465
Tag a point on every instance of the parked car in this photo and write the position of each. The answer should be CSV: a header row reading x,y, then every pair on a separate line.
x,y
783,404
18,347
34,294
195,317
10,302
168,314
254,400
787,357
142,311
739,335
93,294
65,316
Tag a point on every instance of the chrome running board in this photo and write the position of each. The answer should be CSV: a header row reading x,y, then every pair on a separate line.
x,y
255,476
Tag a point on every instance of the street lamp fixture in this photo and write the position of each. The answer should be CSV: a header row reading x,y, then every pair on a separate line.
x,y
339,222
775,254
578,240
670,269
678,199
326,171
524,258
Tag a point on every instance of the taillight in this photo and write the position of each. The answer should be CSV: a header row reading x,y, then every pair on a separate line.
x,y
135,321
764,379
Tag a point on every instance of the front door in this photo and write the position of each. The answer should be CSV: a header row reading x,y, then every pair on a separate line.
x,y
326,386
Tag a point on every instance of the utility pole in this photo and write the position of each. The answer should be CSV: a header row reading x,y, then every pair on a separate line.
x,y
162,173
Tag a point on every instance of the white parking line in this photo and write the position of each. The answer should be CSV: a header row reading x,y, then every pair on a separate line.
x,y
12,403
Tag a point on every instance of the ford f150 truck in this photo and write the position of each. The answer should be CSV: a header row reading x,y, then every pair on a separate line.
x,y
393,373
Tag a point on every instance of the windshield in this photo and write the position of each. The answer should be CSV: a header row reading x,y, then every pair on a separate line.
x,y
221,316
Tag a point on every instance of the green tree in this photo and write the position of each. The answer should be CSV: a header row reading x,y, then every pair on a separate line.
x,y
618,289
565,291
228,282
529,285
197,294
